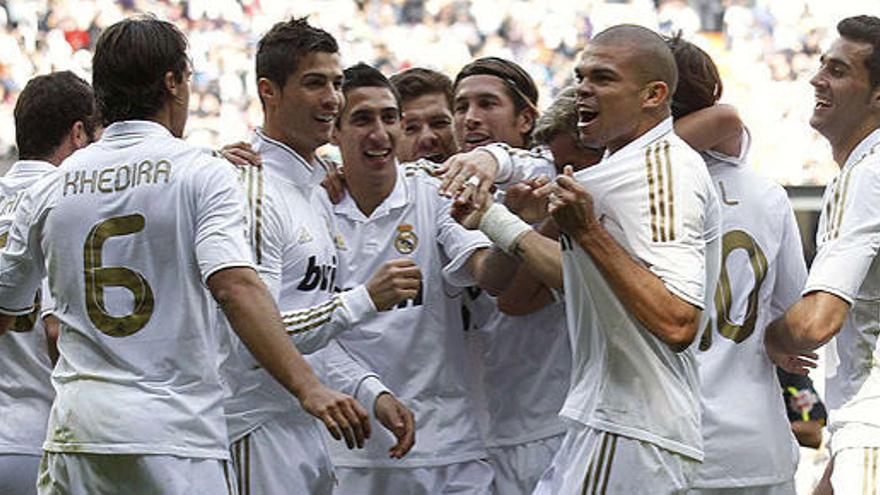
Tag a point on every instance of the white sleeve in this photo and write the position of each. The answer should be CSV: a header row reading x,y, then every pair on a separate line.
x,y
516,164
221,226
677,255
313,328
344,373
458,244
849,250
47,301
791,270
22,265
269,229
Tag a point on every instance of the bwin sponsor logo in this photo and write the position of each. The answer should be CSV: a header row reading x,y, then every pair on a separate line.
x,y
319,277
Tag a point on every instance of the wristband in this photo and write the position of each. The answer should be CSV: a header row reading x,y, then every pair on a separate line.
x,y
503,227
502,158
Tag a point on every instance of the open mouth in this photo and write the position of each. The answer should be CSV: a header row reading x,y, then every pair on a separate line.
x,y
822,103
378,153
586,117
326,119
435,157
474,140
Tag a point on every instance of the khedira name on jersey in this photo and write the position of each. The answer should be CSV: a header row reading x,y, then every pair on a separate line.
x,y
117,178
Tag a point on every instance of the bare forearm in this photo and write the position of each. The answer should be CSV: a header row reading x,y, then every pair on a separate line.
x,y
526,294
253,315
808,324
541,257
668,317
808,433
53,330
496,271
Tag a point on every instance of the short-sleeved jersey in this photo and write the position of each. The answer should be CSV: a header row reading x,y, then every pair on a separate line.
x,y
25,387
748,441
526,360
847,266
296,256
417,347
131,227
654,196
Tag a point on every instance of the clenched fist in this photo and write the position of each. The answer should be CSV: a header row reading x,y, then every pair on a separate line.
x,y
395,281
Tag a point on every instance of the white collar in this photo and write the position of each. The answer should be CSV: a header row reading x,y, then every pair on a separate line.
x,y
27,167
864,148
636,145
134,128
282,161
397,199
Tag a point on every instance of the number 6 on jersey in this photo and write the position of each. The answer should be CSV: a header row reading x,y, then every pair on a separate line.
x,y
99,277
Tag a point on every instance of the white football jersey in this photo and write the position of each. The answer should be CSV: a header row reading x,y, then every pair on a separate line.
x,y
296,256
131,227
654,196
418,347
847,265
526,360
25,387
746,433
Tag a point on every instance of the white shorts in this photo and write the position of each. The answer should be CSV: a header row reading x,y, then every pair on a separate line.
x,y
519,467
786,488
132,474
856,471
593,461
18,474
281,457
463,478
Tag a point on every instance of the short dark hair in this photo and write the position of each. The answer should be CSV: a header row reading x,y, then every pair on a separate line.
x,y
865,29
520,86
653,58
46,110
362,75
280,50
129,65
418,81
699,84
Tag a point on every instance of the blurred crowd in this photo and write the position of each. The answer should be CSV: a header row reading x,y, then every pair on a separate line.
x,y
765,49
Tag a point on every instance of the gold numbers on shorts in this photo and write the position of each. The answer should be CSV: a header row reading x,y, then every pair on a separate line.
x,y
733,240
99,277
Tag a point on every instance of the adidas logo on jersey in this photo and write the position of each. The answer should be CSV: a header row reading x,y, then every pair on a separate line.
x,y
304,236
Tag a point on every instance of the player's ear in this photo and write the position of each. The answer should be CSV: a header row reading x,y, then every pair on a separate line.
x,y
78,135
268,91
875,99
655,94
173,85
525,121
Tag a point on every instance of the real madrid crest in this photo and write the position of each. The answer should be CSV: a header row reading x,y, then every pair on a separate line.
x,y
407,240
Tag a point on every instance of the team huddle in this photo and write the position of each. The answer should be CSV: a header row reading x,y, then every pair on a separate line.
x,y
481,298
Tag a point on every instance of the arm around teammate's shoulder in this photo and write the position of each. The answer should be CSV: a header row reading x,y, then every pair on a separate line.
x,y
717,127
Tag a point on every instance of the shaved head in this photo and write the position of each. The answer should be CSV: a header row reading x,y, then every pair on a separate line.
x,y
649,53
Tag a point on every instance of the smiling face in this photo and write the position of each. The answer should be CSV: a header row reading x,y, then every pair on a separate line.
x,y
301,114
846,107
485,113
609,97
427,129
368,130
